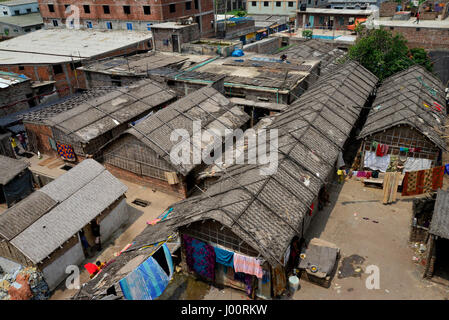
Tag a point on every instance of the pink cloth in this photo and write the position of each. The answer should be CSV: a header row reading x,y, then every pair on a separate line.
x,y
361,174
248,265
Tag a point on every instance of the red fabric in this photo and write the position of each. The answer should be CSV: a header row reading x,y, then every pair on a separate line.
x,y
368,174
379,150
91,268
311,209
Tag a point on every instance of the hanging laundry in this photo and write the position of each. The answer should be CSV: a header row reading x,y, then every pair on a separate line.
x,y
376,163
65,151
246,279
224,257
423,181
311,209
415,150
368,174
249,265
403,149
200,257
378,150
416,164
374,145
375,174
446,169
361,174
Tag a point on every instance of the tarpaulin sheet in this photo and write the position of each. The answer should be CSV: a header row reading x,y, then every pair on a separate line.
x,y
148,281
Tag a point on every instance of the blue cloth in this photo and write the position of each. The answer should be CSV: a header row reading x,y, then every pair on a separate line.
x,y
148,280
446,169
224,257
237,53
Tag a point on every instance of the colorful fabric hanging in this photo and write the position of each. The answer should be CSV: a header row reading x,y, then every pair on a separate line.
x,y
446,169
224,257
423,181
200,257
65,151
249,265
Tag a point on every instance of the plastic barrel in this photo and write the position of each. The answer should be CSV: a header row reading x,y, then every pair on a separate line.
x,y
293,282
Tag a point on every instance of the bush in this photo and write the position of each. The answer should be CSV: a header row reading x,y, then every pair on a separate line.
x,y
307,34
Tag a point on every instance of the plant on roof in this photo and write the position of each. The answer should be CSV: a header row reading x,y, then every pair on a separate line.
x,y
384,54
307,34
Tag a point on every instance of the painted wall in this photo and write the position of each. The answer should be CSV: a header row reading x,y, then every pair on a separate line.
x,y
22,9
54,273
282,7
117,217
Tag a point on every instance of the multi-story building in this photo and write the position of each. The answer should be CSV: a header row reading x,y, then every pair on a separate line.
x,y
18,7
283,7
126,14
13,26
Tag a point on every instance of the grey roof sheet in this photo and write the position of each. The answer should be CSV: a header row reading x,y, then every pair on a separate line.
x,y
24,20
440,219
16,219
206,104
9,168
94,117
314,49
267,211
76,208
401,99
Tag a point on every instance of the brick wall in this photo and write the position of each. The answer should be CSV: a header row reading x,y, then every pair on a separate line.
x,y
179,189
185,35
38,136
388,8
159,11
69,79
15,98
429,38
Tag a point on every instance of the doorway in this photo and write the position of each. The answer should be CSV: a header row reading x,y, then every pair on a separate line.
x,y
175,42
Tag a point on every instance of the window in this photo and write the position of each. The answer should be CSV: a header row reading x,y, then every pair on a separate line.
x,y
127,9
38,27
278,3
55,23
16,12
27,30
391,28
189,5
28,10
89,24
21,68
196,4
106,10
129,26
173,7
109,25
146,10
86,8
417,29
149,26
5,13
51,8
75,65
66,6
254,3
266,3
57,68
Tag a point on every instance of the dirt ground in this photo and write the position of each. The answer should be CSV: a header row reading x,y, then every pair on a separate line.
x,y
383,244
138,216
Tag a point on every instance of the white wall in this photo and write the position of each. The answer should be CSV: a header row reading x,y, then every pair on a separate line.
x,y
118,216
9,266
54,273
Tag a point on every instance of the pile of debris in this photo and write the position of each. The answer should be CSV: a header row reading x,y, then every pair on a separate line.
x,y
24,284
419,253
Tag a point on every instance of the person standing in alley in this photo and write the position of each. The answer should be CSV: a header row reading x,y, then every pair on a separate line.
x,y
417,18
22,141
14,146
96,234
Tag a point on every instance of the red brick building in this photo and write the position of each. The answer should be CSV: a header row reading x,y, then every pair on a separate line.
x,y
54,55
127,14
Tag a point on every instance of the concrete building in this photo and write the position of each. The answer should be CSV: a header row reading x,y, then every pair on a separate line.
x,y
43,229
85,123
283,7
54,55
18,7
353,4
337,19
12,26
137,15
15,93
169,36
241,28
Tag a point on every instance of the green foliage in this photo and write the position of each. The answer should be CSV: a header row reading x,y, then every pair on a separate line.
x,y
384,54
307,34
237,13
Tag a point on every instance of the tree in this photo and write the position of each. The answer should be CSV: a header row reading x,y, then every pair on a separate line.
x,y
384,54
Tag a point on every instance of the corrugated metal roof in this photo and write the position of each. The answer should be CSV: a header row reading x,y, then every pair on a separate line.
x,y
16,219
401,100
440,219
78,205
9,168
206,104
94,117
266,211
